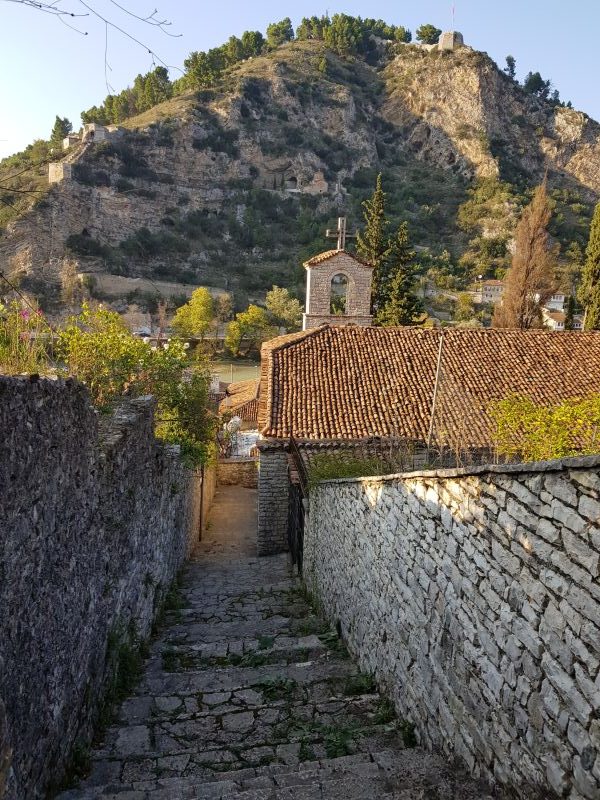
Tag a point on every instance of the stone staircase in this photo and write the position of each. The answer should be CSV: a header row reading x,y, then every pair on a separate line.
x,y
248,695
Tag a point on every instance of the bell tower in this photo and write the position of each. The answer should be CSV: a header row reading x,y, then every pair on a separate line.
x,y
338,286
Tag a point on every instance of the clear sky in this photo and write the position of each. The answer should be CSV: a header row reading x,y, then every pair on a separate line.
x,y
48,69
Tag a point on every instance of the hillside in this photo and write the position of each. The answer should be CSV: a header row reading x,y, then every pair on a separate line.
x,y
233,187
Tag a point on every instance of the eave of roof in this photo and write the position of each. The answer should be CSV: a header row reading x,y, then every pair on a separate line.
x,y
321,257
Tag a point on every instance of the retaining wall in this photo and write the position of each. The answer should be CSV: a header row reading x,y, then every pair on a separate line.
x,y
238,472
474,598
95,520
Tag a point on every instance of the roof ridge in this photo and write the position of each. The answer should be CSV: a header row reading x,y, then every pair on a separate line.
x,y
327,254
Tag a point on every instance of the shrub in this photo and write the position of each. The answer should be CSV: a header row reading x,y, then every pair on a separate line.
x,y
24,336
526,431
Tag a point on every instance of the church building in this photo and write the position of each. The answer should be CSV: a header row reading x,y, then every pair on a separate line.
x,y
346,387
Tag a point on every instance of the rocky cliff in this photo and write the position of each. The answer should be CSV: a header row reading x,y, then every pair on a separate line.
x,y
233,187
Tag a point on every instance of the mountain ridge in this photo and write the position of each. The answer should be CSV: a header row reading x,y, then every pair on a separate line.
x,y
211,187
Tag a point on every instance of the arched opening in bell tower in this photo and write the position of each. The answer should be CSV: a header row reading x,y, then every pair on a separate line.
x,y
338,298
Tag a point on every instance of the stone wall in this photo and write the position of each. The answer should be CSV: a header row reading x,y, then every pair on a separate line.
x,y
238,472
95,520
273,495
474,598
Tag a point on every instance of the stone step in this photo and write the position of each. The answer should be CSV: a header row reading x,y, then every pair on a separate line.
x,y
250,652
253,736
381,775
230,679
185,629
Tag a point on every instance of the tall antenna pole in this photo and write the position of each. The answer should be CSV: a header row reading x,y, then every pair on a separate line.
x,y
453,13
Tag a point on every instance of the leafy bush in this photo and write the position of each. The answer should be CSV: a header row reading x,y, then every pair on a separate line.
x,y
98,350
84,245
328,466
526,431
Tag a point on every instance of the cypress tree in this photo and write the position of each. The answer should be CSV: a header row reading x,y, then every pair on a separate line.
x,y
590,289
530,280
372,243
570,313
400,304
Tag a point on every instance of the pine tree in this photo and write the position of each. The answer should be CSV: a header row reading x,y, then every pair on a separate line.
x,y
61,128
530,280
372,243
590,285
400,304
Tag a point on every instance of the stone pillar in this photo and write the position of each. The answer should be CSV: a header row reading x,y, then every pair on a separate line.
x,y
273,499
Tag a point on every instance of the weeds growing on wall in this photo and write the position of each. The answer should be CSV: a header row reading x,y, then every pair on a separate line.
x,y
529,432
24,338
328,466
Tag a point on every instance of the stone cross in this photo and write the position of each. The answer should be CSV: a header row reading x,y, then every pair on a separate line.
x,y
340,234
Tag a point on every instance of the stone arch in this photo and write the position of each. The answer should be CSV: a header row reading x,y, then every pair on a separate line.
x,y
339,288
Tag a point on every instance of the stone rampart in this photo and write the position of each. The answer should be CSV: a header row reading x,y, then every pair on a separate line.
x,y
95,520
474,598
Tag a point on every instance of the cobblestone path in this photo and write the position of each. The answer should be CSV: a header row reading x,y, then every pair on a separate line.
x,y
248,695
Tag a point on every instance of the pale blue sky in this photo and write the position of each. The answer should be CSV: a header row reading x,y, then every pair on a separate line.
x,y
48,69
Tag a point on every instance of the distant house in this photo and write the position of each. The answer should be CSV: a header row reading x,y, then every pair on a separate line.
x,y
491,291
341,387
556,302
555,320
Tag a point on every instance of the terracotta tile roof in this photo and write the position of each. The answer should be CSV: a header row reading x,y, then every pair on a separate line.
x,y
351,382
241,400
312,262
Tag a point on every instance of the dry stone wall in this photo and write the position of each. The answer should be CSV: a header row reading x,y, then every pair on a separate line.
x,y
95,520
238,472
474,597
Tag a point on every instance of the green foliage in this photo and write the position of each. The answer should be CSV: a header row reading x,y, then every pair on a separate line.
x,y
248,331
465,308
328,466
511,67
398,301
195,318
590,284
147,91
359,684
372,243
428,34
526,431
283,310
279,32
24,339
536,85
61,128
345,35
98,350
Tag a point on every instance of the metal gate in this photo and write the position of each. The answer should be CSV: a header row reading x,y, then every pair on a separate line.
x,y
296,506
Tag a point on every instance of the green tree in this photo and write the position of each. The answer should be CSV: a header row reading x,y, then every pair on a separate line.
x,y
253,43
399,303
465,308
570,313
403,35
536,85
372,242
61,128
345,35
283,310
98,350
511,67
530,280
248,331
428,34
280,32
590,282
313,27
195,318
